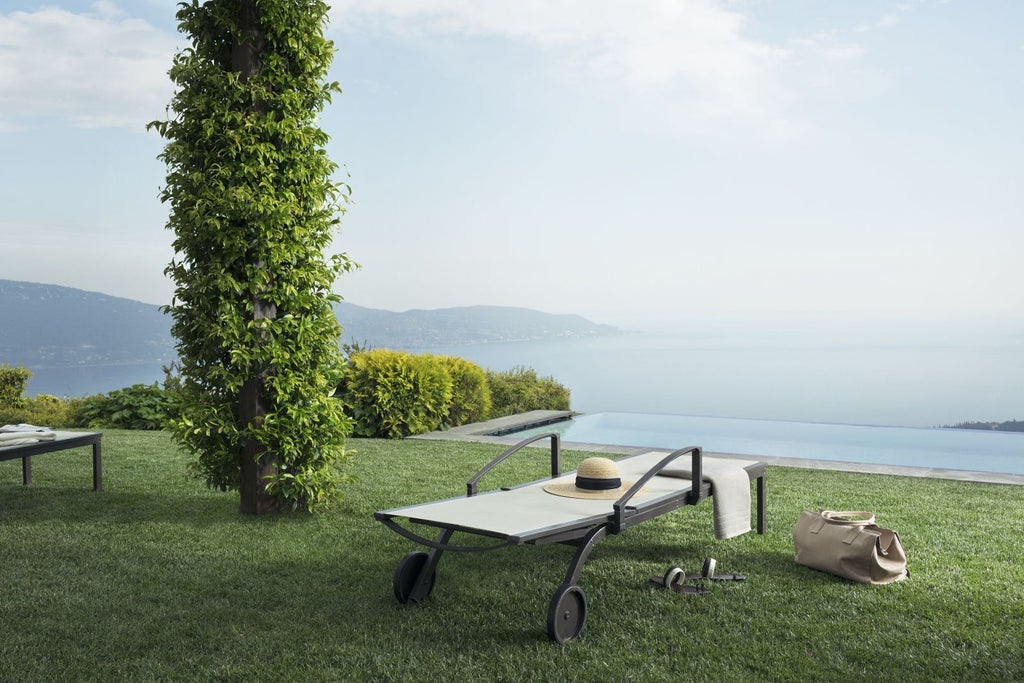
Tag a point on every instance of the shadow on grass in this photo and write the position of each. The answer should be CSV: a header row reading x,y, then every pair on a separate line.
x,y
43,502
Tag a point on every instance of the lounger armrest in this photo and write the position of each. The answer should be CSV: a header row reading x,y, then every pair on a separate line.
x,y
696,463
556,459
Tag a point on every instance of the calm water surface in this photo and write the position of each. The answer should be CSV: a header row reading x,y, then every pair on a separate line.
x,y
900,385
959,449
919,385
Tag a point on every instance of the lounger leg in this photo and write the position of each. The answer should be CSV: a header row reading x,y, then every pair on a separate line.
x,y
587,545
425,581
26,470
567,613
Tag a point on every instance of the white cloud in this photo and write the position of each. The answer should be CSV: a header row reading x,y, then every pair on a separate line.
x,y
690,55
94,69
830,46
891,18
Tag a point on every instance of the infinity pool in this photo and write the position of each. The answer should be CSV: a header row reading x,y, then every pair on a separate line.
x,y
958,449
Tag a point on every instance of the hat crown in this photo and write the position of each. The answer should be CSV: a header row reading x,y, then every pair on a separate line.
x,y
596,478
598,468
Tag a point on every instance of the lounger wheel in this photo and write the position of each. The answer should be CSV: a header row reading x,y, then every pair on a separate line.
x,y
567,614
407,575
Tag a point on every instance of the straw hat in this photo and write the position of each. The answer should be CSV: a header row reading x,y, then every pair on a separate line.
x,y
596,479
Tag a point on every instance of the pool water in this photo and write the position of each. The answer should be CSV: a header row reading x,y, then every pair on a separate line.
x,y
958,449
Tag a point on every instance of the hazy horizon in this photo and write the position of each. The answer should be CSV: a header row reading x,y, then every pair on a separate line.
x,y
812,330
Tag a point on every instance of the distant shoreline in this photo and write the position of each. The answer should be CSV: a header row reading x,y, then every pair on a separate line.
x,y
1008,426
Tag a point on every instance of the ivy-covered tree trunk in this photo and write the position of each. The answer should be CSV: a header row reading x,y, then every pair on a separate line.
x,y
253,207
256,463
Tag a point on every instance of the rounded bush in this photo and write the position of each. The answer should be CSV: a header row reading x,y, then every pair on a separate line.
x,y
393,394
520,390
12,385
471,397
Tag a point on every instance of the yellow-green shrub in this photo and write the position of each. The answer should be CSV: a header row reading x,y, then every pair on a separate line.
x,y
471,397
394,394
43,410
520,389
12,385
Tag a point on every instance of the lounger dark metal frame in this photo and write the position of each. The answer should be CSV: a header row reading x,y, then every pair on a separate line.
x,y
414,577
62,441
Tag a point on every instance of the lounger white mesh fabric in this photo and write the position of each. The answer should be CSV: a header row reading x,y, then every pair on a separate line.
x,y
529,513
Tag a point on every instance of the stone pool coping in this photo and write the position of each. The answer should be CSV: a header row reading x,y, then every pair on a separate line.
x,y
484,432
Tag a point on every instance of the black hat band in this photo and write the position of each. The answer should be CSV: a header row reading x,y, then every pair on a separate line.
x,y
597,484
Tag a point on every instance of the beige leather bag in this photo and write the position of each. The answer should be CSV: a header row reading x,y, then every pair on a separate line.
x,y
851,545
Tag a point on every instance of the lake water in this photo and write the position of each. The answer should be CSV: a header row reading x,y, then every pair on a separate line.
x,y
917,385
84,380
959,449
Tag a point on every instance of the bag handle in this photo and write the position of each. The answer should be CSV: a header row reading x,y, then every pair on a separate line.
x,y
855,517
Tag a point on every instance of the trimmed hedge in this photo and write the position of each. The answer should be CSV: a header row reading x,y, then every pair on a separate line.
x,y
393,394
520,389
471,395
388,394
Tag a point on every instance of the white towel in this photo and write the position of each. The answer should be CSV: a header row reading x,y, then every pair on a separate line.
x,y
730,492
22,427
23,438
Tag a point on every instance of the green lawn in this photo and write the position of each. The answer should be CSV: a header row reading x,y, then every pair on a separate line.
x,y
159,578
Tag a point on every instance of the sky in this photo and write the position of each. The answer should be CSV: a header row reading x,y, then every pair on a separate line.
x,y
644,163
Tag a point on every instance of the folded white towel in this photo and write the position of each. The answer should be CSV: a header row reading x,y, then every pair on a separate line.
x,y
730,492
22,427
22,438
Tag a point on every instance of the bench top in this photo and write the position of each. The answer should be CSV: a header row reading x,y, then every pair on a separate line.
x,y
60,442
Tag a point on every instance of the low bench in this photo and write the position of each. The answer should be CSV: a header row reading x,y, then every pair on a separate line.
x,y
63,441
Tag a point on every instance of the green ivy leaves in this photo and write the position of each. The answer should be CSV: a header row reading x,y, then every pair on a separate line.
x,y
253,206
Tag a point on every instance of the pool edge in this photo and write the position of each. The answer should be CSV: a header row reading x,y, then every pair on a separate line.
x,y
484,432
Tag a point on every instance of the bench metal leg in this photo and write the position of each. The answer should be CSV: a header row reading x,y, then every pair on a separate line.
x,y
97,467
762,507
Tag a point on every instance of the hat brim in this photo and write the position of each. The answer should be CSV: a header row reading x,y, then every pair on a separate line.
x,y
568,489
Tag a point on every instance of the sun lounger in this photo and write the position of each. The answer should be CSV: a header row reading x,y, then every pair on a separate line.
x,y
528,514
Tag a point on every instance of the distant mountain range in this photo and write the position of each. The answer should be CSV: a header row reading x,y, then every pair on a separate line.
x,y
456,326
52,326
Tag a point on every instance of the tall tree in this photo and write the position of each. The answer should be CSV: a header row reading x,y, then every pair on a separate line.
x,y
253,206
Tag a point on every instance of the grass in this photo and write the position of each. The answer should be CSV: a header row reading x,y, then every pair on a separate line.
x,y
158,578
